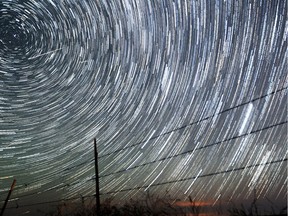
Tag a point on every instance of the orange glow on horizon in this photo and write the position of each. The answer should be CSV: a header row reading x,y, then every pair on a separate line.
x,y
201,214
194,203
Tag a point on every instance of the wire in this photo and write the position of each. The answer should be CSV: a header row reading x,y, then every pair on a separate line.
x,y
151,162
168,132
49,202
193,123
158,184
195,149
199,176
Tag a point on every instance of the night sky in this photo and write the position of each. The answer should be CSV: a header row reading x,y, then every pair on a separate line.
x,y
184,97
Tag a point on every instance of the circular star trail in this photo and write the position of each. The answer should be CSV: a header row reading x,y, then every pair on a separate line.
x,y
188,97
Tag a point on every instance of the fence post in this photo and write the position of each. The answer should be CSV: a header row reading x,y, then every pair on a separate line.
x,y
97,178
8,196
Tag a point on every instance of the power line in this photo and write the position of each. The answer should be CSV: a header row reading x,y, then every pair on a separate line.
x,y
199,176
47,190
168,132
196,122
151,162
196,149
49,202
25,185
158,184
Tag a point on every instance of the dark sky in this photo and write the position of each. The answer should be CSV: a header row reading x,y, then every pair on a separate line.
x,y
186,97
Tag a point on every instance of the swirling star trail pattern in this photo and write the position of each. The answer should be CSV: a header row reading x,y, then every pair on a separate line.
x,y
188,97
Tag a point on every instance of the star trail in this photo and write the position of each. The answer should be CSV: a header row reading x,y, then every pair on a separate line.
x,y
187,97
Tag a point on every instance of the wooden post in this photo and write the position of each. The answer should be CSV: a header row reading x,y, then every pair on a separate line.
x,y
8,196
97,178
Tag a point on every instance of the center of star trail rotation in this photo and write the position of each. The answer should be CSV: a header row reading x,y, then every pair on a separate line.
x,y
186,97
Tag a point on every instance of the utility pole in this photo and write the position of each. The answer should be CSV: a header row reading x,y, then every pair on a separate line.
x,y
8,196
97,179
